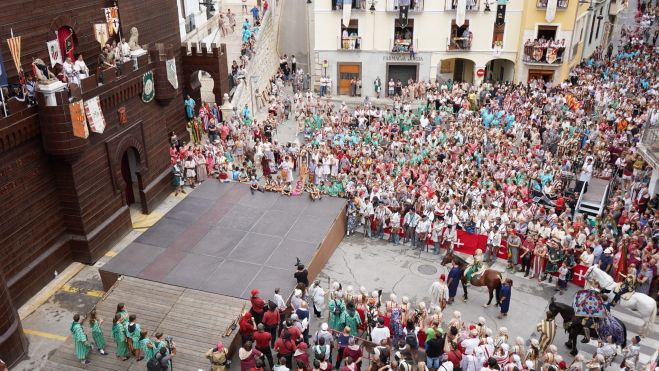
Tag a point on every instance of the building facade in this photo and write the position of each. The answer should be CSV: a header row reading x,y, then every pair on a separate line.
x,y
67,192
434,41
498,40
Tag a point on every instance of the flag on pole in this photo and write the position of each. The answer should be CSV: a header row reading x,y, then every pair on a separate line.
x,y
54,52
112,19
101,33
15,49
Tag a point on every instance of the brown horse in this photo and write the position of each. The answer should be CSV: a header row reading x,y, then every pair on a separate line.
x,y
490,278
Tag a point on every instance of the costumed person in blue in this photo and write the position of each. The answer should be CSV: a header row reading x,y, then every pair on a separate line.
x,y
246,34
476,266
454,276
589,322
504,298
189,107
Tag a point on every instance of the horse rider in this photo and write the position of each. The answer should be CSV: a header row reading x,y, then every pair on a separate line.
x,y
627,286
476,266
587,322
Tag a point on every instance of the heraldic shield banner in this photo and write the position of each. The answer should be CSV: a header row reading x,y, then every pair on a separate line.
x,y
149,90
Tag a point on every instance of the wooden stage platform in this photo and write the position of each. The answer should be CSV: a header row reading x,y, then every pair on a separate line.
x,y
194,318
225,240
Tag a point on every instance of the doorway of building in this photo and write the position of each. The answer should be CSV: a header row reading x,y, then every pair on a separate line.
x,y
347,72
129,172
402,72
547,32
499,70
545,75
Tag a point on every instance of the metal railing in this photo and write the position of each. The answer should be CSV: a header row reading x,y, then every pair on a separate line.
x,y
457,43
403,45
543,54
349,43
415,5
650,141
562,4
472,5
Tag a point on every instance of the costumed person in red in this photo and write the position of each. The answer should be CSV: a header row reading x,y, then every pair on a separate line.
x,y
247,327
257,306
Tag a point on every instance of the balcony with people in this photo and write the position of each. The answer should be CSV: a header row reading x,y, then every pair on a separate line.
x,y
544,51
350,39
461,37
403,41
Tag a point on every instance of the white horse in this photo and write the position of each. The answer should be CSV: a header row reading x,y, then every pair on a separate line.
x,y
645,306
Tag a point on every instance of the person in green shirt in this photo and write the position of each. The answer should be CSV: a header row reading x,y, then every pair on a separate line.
x,y
336,309
80,342
119,336
554,258
145,347
350,318
97,332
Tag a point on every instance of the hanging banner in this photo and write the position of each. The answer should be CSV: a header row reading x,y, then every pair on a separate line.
x,y
551,10
501,15
148,92
171,72
94,115
54,52
3,72
15,49
112,19
78,120
403,10
552,54
461,13
101,33
347,8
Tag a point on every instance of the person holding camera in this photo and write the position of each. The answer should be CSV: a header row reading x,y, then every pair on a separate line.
x,y
162,360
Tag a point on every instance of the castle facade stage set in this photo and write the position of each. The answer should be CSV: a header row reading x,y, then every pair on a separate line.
x,y
77,149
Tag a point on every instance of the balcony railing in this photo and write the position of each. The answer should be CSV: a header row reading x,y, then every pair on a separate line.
x,y
358,5
457,43
349,43
562,4
402,46
543,54
415,5
472,5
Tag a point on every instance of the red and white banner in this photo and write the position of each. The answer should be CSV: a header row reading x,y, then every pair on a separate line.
x,y
94,114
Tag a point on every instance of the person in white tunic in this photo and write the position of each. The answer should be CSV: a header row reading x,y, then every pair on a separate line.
x,y
439,292
317,295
